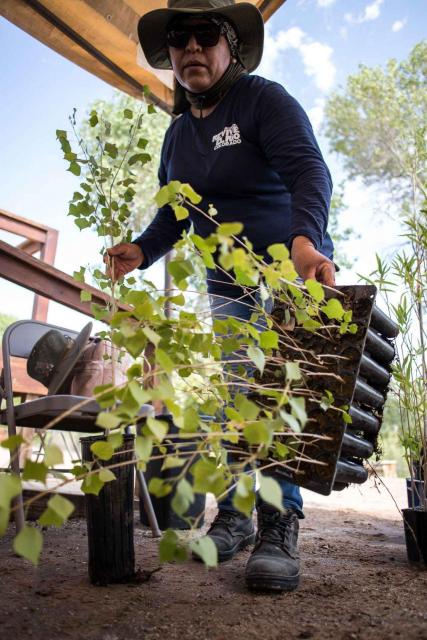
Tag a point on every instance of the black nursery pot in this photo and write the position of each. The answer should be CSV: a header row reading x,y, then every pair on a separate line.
x,y
166,516
415,524
109,518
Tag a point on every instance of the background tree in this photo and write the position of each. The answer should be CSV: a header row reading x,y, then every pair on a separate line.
x,y
152,128
5,321
338,234
378,126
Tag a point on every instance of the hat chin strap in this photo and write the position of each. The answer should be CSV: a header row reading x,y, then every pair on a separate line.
x,y
183,98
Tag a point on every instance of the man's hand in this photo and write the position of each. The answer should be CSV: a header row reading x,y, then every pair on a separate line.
x,y
122,259
310,263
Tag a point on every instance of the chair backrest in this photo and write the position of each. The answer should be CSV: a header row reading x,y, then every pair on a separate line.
x,y
18,341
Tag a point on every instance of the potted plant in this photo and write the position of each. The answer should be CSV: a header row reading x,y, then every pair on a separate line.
x,y
404,284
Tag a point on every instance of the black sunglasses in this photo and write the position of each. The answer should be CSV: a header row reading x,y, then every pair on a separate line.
x,y
206,35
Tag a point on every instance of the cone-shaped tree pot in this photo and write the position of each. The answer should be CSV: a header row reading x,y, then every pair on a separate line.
x,y
109,518
415,524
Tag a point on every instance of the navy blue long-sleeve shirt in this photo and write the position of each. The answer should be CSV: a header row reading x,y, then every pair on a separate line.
x,y
255,158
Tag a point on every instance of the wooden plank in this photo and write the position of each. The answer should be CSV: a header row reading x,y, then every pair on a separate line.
x,y
31,273
30,246
32,224
116,46
47,254
268,7
22,229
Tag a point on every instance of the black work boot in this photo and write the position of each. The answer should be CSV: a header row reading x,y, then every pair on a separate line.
x,y
274,563
231,531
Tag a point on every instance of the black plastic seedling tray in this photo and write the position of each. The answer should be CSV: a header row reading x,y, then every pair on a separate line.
x,y
361,365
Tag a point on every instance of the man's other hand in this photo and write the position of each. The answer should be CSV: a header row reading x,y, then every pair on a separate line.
x,y
310,263
122,259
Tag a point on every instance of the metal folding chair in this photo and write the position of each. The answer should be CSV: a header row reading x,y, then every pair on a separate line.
x,y
18,341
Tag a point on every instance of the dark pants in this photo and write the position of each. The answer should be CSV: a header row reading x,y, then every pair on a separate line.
x,y
242,310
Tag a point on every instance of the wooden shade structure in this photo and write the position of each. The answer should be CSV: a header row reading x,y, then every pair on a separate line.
x,y
101,37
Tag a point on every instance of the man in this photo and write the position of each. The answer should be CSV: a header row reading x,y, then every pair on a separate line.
x,y
246,146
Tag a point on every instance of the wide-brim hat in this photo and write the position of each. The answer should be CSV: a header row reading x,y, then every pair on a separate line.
x,y
245,18
54,355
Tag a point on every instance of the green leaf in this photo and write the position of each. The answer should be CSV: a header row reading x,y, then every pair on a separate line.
x,y
347,418
244,496
158,428
292,371
165,361
290,420
172,462
103,450
257,356
50,518
206,549
278,252
282,450
230,228
92,484
143,158
179,300
61,506
108,420
127,113
298,409
190,194
116,440
111,149
137,391
79,276
10,487
151,108
34,471
333,309
269,340
270,491
171,548
82,223
248,409
93,120
183,497
53,455
258,433
208,477
106,475
159,487
152,335
162,197
315,289
180,212
142,143
85,296
311,325
28,544
12,442
75,168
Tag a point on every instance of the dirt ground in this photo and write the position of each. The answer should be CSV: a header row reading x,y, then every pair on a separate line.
x,y
356,584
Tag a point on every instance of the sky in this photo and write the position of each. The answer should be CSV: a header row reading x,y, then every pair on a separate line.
x,y
311,46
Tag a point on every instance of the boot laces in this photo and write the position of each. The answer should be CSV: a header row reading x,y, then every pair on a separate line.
x,y
222,519
276,528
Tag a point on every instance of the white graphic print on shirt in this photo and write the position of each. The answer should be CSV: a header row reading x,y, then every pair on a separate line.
x,y
227,137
